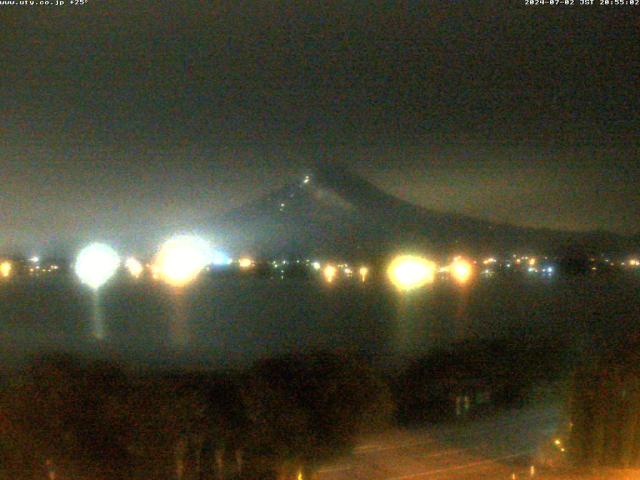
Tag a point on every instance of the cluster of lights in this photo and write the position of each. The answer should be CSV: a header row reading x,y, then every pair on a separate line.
x,y
178,262
38,269
8,268
526,263
405,272
181,259
330,271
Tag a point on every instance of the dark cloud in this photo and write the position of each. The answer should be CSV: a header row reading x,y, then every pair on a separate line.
x,y
169,111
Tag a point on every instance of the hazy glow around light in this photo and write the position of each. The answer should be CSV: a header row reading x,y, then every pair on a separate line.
x,y
316,265
96,264
134,266
182,258
461,270
408,272
5,268
218,258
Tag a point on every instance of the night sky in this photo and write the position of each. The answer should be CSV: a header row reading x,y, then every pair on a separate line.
x,y
130,116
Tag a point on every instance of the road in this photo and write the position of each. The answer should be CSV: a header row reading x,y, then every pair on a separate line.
x,y
491,448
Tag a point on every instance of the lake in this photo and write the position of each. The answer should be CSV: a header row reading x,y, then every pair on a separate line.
x,y
232,321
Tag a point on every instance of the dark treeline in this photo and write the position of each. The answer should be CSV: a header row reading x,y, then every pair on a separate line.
x,y
65,418
469,378
604,408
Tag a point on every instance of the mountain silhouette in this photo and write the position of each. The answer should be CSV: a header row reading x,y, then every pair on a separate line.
x,y
332,211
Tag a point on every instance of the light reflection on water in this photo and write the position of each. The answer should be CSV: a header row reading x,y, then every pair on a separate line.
x,y
237,320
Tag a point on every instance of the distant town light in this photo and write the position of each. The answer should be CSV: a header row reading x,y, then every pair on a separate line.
x,y
134,267
489,260
408,272
35,259
5,269
461,270
330,273
96,264
155,271
364,272
316,265
245,262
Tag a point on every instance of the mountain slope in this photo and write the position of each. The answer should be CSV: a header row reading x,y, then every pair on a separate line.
x,y
333,211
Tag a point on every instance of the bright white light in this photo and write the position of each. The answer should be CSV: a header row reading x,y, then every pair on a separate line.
x,y
96,264
316,265
182,258
34,259
134,266
408,272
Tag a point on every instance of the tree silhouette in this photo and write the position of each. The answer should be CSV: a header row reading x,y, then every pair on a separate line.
x,y
605,410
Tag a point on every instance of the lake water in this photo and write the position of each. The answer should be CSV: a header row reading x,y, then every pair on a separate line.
x,y
226,322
